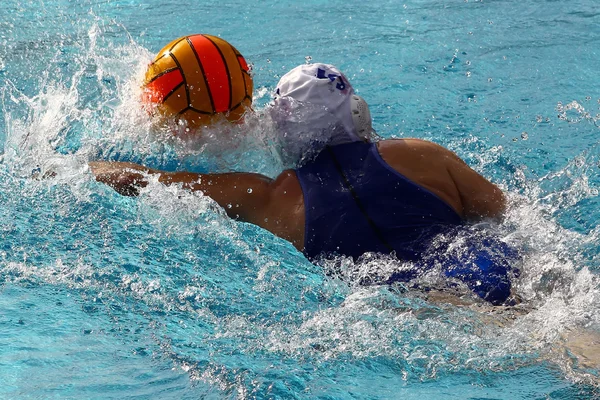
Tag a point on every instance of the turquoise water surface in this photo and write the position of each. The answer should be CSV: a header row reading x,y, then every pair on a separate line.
x,y
163,296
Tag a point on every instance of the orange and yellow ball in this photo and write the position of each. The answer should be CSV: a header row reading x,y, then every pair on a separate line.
x,y
200,79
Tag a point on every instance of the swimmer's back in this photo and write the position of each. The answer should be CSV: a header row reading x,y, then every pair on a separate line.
x,y
356,203
424,163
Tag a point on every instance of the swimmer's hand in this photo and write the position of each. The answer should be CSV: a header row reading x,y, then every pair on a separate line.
x,y
126,178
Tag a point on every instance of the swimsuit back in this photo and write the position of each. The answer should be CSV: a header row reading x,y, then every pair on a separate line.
x,y
356,203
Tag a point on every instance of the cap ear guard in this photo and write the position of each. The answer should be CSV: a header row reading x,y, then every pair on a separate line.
x,y
361,117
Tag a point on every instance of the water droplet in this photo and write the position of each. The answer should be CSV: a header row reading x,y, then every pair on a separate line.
x,y
468,74
308,59
229,205
524,135
249,190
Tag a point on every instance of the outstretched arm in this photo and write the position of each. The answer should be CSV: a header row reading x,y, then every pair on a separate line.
x,y
242,195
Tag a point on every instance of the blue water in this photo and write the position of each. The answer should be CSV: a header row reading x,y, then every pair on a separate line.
x,y
162,296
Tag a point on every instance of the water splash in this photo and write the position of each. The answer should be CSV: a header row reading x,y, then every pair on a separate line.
x,y
229,304
574,112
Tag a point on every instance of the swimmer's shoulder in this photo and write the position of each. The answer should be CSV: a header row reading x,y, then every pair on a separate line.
x,y
426,164
414,151
412,145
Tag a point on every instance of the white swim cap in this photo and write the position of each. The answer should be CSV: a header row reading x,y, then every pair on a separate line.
x,y
328,102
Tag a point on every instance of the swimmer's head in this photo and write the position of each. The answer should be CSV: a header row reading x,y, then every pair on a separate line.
x,y
321,98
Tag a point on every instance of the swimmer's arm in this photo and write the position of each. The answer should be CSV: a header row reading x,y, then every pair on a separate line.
x,y
479,197
243,195
126,178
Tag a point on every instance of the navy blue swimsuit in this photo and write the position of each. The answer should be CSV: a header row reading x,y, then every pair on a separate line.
x,y
356,203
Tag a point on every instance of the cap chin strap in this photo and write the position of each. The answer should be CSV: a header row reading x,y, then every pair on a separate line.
x,y
361,117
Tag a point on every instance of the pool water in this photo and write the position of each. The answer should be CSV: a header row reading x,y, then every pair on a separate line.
x,y
163,296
